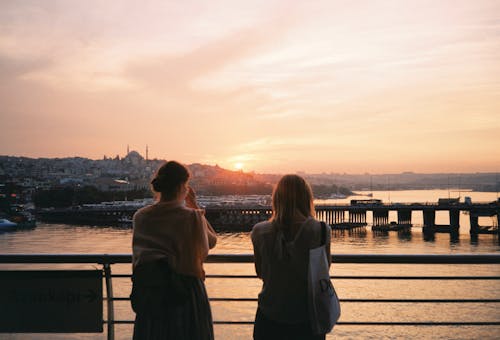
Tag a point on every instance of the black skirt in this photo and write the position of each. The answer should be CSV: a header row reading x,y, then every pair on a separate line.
x,y
267,329
190,320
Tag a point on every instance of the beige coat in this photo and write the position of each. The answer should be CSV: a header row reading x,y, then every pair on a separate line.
x,y
169,230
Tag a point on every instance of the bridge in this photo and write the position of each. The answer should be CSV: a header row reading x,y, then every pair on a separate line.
x,y
339,216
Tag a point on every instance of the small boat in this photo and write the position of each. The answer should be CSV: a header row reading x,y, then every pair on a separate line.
x,y
337,196
6,225
448,201
23,220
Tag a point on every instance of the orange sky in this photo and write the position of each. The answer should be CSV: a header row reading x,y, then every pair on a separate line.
x,y
278,86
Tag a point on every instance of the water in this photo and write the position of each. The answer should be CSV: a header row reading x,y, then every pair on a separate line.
x,y
58,238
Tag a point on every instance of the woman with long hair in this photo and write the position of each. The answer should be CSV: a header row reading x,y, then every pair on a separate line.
x,y
171,239
281,248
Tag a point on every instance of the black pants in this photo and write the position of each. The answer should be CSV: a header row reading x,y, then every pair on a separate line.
x,y
267,329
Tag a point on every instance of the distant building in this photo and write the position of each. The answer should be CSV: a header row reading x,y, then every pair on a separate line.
x,y
134,158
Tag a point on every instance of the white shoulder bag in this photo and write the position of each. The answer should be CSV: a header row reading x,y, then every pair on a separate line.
x,y
324,306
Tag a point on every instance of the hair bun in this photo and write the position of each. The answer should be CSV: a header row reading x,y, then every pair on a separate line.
x,y
168,179
156,183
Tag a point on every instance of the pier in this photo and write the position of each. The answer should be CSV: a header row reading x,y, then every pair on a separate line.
x,y
339,216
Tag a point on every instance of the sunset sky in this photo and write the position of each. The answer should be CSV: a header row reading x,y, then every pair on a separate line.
x,y
278,86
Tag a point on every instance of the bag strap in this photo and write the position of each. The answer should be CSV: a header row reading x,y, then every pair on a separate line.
x,y
323,233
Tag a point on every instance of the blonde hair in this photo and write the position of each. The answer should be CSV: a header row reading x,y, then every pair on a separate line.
x,y
292,194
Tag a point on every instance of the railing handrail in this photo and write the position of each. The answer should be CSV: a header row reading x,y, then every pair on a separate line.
x,y
484,258
107,260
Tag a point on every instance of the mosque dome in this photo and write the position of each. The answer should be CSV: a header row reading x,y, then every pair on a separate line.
x,y
134,157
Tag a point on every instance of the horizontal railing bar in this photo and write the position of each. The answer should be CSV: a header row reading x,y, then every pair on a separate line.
x,y
381,300
356,300
66,258
422,300
418,258
362,323
430,323
355,277
248,258
222,276
381,258
374,323
351,277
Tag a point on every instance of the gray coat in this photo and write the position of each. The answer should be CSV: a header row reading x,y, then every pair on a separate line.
x,y
283,266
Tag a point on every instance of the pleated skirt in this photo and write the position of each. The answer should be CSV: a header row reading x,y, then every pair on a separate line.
x,y
190,321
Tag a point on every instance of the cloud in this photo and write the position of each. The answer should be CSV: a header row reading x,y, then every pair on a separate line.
x,y
167,71
15,68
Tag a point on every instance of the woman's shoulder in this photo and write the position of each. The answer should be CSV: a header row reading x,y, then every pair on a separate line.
x,y
262,226
142,212
162,210
196,215
261,229
317,225
313,222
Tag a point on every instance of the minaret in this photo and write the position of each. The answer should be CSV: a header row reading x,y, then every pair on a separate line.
x,y
128,150
146,152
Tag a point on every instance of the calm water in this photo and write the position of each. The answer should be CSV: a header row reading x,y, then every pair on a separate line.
x,y
57,238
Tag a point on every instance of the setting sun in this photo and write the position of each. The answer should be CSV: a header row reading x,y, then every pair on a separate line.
x,y
238,166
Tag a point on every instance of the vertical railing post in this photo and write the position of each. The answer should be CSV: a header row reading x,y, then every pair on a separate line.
x,y
109,295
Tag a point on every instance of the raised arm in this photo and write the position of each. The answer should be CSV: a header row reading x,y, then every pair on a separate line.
x,y
211,234
191,202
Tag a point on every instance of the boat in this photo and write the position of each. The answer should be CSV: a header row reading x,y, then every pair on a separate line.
x,y
6,225
366,202
21,217
337,196
449,201
23,221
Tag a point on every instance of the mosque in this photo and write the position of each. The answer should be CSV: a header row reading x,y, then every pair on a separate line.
x,y
135,158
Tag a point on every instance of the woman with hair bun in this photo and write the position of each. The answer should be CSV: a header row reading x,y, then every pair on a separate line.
x,y
171,239
281,248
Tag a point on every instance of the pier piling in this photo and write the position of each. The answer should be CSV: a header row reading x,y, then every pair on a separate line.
x,y
429,218
455,218
404,217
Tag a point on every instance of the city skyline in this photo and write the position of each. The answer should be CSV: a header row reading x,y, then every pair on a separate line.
x,y
270,87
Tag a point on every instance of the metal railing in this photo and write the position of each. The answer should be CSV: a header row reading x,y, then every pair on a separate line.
x,y
107,260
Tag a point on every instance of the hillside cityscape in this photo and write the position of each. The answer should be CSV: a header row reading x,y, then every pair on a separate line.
x,y
77,180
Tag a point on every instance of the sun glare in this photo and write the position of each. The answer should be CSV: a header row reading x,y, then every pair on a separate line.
x,y
238,166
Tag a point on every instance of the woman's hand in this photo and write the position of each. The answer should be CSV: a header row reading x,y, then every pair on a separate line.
x,y
191,199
